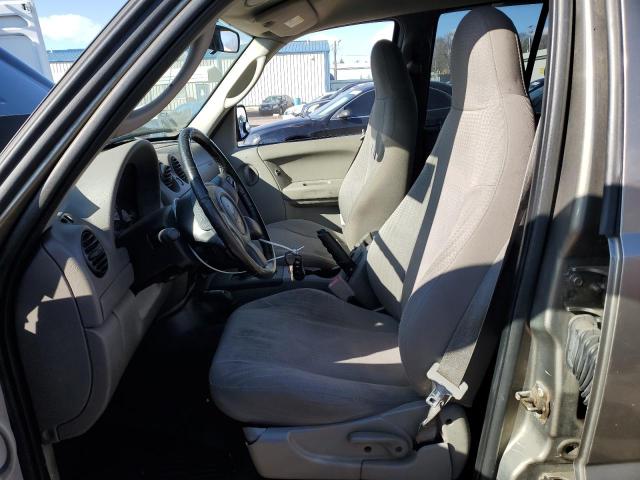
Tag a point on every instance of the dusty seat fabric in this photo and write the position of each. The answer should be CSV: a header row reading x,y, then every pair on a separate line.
x,y
305,357
308,359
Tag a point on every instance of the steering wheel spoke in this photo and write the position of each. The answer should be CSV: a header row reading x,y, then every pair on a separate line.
x,y
220,202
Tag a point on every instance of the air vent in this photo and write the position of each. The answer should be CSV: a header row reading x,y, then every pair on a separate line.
x,y
167,177
65,217
94,253
177,167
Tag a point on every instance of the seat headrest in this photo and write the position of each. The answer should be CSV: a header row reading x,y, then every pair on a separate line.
x,y
486,62
389,72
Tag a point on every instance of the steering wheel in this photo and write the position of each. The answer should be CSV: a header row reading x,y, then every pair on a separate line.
x,y
219,203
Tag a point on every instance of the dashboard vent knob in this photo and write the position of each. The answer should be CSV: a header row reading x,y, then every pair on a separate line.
x,y
167,177
94,253
177,167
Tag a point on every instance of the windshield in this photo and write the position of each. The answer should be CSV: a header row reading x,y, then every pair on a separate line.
x,y
337,102
190,99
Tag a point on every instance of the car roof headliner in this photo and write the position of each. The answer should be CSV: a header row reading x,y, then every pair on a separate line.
x,y
332,13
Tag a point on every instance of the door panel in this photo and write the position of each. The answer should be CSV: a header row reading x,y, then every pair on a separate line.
x,y
253,172
261,184
309,174
291,179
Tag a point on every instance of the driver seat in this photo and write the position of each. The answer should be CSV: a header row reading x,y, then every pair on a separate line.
x,y
378,177
328,389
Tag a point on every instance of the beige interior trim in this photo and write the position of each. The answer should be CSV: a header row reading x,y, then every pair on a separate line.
x,y
242,14
288,18
236,84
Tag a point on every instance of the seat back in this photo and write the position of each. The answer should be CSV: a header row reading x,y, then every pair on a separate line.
x,y
378,178
430,257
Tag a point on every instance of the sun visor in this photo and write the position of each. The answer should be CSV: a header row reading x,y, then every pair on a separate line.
x,y
288,18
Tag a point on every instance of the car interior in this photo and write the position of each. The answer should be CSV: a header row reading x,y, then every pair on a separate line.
x,y
323,308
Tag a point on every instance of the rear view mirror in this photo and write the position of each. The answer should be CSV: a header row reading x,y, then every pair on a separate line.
x,y
225,40
242,122
344,114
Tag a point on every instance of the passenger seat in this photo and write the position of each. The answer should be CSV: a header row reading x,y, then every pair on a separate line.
x,y
378,178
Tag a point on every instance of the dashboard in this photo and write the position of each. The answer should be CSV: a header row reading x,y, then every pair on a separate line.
x,y
82,312
126,211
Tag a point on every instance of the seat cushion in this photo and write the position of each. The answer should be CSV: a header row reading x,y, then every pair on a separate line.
x,y
297,232
305,357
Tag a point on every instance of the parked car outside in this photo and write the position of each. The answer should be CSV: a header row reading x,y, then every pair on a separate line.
x,y
346,113
438,104
536,89
535,84
306,108
293,111
275,104
318,102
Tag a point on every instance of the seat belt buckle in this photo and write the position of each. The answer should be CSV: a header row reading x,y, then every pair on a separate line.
x,y
441,393
439,396
341,288
442,387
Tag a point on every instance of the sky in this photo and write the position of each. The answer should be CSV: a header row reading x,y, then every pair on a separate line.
x,y
74,23
355,40
523,17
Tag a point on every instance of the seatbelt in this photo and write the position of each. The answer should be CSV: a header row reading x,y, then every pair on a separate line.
x,y
535,44
447,375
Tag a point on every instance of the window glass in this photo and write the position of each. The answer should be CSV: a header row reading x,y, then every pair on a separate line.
x,y
67,34
361,106
316,76
524,17
190,99
67,28
338,102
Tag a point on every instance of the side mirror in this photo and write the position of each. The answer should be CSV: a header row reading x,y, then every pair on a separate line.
x,y
242,122
225,40
344,114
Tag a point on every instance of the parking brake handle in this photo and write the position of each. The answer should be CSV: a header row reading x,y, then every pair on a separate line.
x,y
341,257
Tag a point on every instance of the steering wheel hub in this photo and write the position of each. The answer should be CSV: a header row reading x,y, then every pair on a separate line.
x,y
223,201
232,212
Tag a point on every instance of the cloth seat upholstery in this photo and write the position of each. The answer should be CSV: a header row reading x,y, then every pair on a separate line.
x,y
304,357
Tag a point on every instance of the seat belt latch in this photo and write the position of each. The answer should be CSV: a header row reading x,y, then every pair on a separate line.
x,y
442,384
443,390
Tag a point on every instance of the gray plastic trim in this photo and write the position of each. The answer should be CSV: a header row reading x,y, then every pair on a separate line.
x,y
378,447
77,332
